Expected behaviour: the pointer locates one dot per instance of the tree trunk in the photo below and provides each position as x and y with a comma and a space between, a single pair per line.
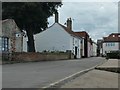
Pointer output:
31, 45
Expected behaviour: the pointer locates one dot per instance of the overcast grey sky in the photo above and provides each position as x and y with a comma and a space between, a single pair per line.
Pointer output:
99, 19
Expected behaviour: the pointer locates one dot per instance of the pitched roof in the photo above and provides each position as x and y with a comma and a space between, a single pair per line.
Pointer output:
114, 37
69, 31
82, 34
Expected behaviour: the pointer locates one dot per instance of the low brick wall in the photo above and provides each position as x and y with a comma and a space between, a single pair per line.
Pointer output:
5, 56
40, 56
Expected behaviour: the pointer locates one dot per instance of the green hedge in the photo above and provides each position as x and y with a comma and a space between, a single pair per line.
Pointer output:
113, 55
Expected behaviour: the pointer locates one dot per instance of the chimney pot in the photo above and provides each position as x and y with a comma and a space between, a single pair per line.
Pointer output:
69, 23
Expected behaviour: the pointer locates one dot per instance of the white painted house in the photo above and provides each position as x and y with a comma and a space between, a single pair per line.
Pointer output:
111, 43
58, 38
61, 38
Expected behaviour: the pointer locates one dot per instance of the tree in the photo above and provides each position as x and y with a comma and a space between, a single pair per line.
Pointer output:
30, 16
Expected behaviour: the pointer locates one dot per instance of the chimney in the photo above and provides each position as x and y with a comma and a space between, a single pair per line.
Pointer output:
69, 23
56, 17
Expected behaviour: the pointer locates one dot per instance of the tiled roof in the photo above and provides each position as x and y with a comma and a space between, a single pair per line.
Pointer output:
114, 37
85, 35
76, 34
70, 31
82, 34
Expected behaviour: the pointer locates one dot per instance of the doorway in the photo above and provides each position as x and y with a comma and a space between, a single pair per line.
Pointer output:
75, 52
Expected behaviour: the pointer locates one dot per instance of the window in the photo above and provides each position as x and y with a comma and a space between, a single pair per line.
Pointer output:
81, 41
118, 35
73, 40
113, 35
106, 44
113, 44
0, 43
4, 44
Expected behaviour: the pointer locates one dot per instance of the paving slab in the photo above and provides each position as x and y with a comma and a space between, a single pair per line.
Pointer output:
98, 78
111, 63
94, 79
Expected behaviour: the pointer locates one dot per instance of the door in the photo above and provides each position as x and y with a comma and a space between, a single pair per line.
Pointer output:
75, 52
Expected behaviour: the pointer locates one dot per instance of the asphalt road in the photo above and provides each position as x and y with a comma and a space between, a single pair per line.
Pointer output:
40, 74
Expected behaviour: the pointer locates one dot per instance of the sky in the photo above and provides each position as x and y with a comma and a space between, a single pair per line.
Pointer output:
99, 19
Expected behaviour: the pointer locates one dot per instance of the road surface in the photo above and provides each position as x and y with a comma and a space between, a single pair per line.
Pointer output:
40, 74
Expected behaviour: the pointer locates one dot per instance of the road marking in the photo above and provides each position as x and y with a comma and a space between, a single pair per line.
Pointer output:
60, 82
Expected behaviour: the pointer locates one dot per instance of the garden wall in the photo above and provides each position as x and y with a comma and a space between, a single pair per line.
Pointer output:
41, 56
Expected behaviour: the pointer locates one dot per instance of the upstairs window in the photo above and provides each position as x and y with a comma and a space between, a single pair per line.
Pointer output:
106, 44
110, 44
113, 44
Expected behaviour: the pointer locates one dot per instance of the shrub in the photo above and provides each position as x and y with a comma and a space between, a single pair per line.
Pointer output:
113, 55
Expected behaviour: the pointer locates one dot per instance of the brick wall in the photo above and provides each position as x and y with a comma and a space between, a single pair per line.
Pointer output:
41, 56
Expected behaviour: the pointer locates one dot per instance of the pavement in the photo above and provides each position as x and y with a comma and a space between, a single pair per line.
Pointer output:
111, 63
97, 78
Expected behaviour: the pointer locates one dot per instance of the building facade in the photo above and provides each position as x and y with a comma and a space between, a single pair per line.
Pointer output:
94, 49
111, 43
11, 38
88, 47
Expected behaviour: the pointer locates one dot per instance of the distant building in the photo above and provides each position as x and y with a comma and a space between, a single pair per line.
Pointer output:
110, 43
88, 45
11, 38
85, 37
99, 47
94, 49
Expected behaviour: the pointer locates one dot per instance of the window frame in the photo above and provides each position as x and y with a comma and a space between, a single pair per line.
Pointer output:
5, 44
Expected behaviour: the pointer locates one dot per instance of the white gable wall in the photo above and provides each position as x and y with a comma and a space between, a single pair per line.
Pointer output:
54, 38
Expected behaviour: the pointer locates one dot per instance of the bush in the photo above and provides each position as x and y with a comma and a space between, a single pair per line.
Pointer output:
113, 55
